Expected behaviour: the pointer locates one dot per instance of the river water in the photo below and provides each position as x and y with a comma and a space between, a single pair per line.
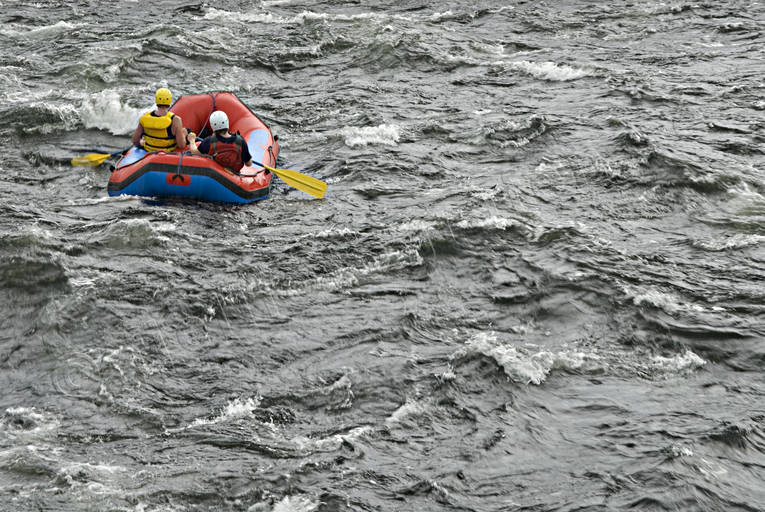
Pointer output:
536, 282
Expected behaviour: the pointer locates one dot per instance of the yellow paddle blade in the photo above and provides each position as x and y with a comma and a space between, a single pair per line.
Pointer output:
300, 181
90, 160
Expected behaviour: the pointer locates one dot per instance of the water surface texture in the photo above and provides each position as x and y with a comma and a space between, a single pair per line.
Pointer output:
537, 281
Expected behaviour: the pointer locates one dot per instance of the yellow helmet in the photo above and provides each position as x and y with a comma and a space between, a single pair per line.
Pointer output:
163, 97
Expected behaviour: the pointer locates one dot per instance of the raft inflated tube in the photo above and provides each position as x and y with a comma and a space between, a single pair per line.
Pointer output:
181, 174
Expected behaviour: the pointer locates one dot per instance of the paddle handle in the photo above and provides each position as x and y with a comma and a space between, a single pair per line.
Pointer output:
262, 165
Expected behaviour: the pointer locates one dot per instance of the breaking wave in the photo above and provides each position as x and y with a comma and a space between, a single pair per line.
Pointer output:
386, 134
549, 71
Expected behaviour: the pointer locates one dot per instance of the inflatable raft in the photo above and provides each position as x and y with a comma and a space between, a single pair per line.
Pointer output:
181, 174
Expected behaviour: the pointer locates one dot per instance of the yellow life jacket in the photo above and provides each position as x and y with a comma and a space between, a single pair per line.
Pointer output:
157, 132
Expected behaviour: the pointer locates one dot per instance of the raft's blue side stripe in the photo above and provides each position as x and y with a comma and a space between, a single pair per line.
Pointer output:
154, 184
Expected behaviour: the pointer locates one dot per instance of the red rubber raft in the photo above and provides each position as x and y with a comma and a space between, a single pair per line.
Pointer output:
181, 174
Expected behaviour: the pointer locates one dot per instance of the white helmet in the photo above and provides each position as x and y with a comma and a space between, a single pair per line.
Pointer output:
218, 120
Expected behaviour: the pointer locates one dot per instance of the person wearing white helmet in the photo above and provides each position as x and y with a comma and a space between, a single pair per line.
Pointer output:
160, 129
228, 149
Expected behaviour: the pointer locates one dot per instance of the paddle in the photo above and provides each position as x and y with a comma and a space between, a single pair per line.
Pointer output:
298, 180
94, 159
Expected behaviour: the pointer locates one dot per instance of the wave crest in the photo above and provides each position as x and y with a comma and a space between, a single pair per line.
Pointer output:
106, 111
549, 71
387, 134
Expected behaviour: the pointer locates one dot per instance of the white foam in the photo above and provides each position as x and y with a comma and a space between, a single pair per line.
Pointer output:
440, 16
681, 451
451, 58
347, 277
486, 194
331, 443
521, 133
27, 412
15, 30
711, 469
416, 225
387, 134
80, 467
82, 282
90, 478
42, 422
250, 17
364, 16
448, 375
142, 507
745, 191
493, 222
343, 382
40, 233
240, 409
296, 504
521, 364
259, 16
98, 200
549, 70
137, 232
323, 16
106, 111
267, 17
148, 225
234, 410
409, 409
384, 263
659, 299
737, 241
680, 363
662, 8
530, 365
333, 233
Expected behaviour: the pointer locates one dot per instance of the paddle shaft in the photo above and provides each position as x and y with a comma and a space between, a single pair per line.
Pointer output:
298, 180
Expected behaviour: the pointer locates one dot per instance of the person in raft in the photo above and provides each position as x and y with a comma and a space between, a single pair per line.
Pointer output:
228, 149
160, 130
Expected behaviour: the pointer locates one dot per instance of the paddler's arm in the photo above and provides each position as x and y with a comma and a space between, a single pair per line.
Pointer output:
179, 131
137, 134
246, 158
193, 144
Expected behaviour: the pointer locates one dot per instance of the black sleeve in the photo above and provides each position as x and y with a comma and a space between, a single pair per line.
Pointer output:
204, 147
245, 152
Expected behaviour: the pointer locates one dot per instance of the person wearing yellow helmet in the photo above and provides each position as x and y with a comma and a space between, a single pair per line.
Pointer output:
160, 129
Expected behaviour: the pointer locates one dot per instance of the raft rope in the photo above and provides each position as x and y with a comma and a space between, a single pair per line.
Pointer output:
178, 174
212, 95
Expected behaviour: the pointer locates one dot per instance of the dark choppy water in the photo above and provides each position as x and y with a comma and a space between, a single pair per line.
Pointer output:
536, 283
